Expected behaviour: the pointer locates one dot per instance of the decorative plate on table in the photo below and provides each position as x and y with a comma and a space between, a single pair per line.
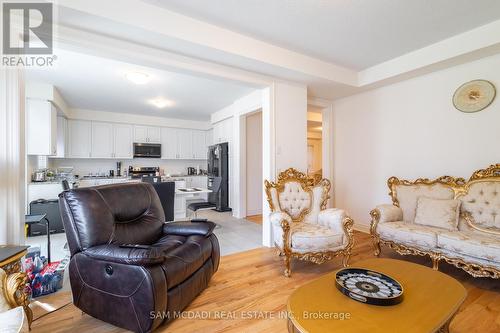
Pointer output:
368, 286
474, 96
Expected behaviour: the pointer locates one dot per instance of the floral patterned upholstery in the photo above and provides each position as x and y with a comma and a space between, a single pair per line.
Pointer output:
473, 245
302, 227
409, 234
482, 201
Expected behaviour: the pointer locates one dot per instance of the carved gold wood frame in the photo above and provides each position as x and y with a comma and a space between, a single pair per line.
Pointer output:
460, 188
307, 183
14, 292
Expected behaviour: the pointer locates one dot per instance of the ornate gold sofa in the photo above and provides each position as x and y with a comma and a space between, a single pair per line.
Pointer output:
302, 226
475, 244
12, 301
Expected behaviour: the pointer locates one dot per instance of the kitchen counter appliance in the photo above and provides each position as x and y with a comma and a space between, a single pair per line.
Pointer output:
147, 150
139, 172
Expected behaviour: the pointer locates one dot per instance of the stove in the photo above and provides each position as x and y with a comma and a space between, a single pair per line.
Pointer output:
139, 172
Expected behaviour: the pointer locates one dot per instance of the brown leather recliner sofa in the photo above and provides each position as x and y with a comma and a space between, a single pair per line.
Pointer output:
134, 288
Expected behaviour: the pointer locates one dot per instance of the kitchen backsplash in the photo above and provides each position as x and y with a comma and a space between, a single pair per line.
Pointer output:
84, 167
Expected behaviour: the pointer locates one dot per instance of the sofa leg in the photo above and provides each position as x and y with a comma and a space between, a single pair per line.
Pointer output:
288, 271
345, 259
435, 262
376, 246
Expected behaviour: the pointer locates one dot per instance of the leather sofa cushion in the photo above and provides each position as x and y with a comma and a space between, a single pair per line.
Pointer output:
125, 255
474, 244
184, 255
409, 234
189, 228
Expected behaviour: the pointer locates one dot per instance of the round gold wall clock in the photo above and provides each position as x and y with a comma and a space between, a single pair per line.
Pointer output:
474, 96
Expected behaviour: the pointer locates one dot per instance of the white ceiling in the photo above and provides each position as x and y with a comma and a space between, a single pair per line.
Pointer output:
94, 83
352, 33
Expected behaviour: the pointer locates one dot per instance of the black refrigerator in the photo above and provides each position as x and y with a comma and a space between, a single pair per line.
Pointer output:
218, 166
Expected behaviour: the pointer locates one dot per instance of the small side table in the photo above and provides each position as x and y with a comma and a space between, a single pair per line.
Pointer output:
10, 262
39, 219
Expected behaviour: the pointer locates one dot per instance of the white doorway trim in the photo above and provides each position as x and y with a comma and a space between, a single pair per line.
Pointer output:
327, 140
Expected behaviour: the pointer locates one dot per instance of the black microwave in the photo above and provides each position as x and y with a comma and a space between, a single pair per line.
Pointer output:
148, 150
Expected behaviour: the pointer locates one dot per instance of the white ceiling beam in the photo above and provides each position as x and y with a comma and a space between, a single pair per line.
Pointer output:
470, 45
162, 21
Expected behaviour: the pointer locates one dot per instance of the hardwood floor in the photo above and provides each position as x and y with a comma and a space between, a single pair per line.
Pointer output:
253, 281
254, 218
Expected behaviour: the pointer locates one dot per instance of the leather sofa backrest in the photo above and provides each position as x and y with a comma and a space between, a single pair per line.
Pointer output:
129, 213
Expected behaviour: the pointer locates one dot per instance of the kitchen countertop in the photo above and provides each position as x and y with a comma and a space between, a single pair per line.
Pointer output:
45, 183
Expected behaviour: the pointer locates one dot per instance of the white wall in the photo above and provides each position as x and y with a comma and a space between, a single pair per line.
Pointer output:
290, 104
254, 164
411, 129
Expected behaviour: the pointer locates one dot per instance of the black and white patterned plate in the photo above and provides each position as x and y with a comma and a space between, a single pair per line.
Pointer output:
369, 287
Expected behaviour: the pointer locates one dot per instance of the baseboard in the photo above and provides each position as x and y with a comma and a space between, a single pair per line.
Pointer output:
362, 228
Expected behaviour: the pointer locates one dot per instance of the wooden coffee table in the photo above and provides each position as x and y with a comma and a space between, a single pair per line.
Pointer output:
431, 299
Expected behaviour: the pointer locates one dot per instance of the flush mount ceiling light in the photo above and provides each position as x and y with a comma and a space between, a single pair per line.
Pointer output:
161, 102
137, 77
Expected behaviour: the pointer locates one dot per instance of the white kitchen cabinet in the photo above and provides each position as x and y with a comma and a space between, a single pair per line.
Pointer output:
184, 144
209, 138
123, 137
79, 138
222, 131
147, 134
102, 140
179, 201
169, 143
199, 144
62, 137
41, 128
177, 143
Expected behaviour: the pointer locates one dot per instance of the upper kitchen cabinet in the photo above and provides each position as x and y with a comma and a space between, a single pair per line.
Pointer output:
123, 139
184, 144
147, 134
169, 148
79, 141
222, 131
102, 140
62, 137
209, 138
199, 144
41, 128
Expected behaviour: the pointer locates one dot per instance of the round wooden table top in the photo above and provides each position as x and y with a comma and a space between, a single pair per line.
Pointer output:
431, 299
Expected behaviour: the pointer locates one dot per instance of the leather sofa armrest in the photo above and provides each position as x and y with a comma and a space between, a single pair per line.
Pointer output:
189, 228
125, 255
389, 213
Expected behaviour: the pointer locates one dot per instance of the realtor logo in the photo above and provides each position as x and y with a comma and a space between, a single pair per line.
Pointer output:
36, 21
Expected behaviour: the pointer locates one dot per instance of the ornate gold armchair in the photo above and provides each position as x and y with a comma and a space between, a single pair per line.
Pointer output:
302, 226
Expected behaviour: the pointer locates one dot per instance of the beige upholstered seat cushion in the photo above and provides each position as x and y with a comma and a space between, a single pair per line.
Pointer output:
310, 238
407, 196
438, 213
306, 237
474, 244
409, 234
